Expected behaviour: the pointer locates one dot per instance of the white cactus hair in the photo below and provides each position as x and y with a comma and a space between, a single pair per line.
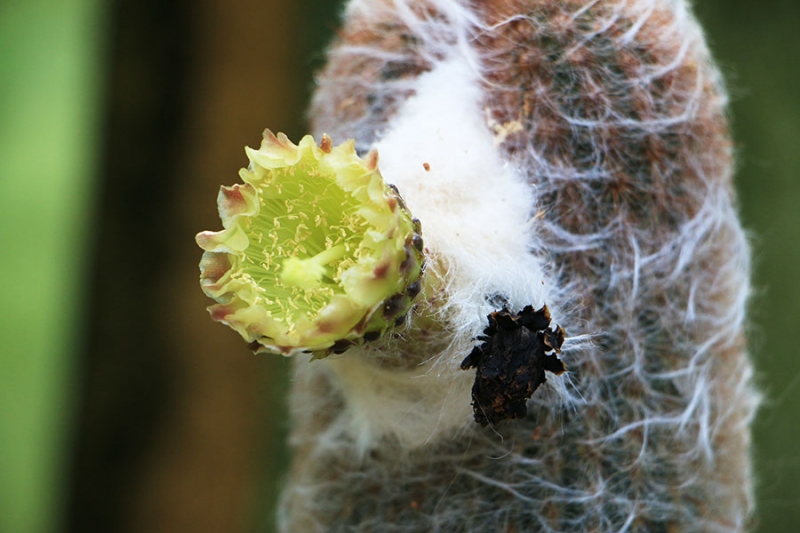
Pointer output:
576, 154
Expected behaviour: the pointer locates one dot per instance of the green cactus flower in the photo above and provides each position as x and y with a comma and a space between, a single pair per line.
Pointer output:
317, 251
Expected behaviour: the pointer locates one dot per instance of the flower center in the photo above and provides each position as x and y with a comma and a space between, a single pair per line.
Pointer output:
307, 233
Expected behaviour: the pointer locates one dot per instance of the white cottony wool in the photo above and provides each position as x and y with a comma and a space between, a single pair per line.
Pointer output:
477, 209
573, 153
478, 228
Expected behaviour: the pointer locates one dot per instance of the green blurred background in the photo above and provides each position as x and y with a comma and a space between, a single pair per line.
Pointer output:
122, 408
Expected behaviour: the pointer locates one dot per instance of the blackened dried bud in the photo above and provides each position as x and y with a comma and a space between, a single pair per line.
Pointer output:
511, 361
416, 240
371, 336
393, 305
414, 289
341, 346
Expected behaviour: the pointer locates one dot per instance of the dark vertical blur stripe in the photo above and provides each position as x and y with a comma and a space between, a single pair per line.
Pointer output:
179, 423
127, 371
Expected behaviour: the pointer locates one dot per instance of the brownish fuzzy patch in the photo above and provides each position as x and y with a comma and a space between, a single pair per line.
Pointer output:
583, 103
595, 142
360, 84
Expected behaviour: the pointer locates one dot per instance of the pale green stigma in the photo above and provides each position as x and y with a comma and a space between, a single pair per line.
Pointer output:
308, 273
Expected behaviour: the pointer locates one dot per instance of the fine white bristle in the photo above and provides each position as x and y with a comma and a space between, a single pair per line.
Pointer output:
573, 153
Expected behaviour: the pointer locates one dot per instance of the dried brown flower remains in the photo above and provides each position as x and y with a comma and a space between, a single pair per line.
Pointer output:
510, 362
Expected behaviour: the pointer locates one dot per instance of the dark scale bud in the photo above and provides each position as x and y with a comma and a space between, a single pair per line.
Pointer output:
511, 361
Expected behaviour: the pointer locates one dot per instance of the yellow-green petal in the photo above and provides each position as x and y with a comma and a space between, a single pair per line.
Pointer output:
316, 249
